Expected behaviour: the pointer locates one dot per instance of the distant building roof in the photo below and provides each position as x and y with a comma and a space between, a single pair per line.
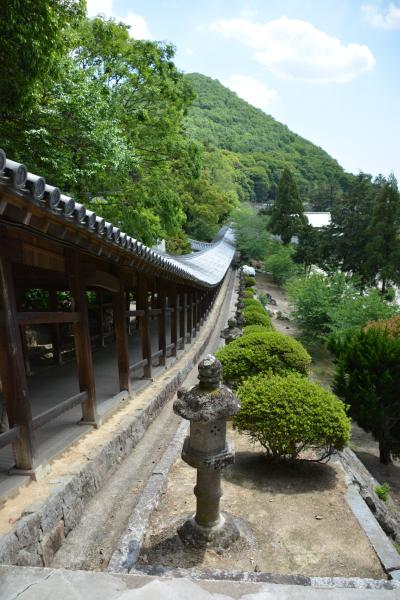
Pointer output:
318, 219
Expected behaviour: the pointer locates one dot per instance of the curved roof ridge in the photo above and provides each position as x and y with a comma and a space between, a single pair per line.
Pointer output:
207, 267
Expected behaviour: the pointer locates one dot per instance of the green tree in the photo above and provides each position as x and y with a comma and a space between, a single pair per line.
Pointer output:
308, 249
347, 237
280, 264
383, 246
332, 305
368, 378
287, 215
252, 237
34, 34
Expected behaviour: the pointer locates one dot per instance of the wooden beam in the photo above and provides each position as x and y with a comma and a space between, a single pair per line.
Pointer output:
103, 280
58, 409
83, 348
142, 302
43, 317
12, 370
121, 336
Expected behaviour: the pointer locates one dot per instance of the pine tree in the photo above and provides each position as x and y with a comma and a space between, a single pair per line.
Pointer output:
368, 379
287, 217
383, 247
307, 250
347, 237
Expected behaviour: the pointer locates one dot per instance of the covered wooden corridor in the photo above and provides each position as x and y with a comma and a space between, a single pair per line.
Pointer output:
86, 312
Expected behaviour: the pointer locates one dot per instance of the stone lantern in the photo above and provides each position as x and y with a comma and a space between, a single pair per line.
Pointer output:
240, 304
208, 406
232, 332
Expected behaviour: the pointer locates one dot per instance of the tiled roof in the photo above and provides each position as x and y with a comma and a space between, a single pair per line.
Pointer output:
206, 267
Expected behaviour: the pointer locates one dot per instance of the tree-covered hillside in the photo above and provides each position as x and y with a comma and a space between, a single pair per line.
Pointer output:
264, 147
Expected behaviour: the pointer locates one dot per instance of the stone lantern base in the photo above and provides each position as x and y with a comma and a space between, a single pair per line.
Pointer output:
220, 536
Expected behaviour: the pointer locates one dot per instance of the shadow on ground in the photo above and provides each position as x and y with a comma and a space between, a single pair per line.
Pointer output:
251, 470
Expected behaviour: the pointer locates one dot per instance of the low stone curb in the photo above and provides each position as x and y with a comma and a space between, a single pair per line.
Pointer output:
127, 552
371, 512
42, 528
275, 578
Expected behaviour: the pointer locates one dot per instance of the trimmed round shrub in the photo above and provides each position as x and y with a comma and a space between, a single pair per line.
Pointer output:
249, 293
287, 415
255, 316
253, 302
256, 329
249, 281
268, 352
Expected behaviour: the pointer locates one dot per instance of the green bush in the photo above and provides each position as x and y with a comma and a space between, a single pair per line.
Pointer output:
249, 281
256, 329
281, 265
267, 352
255, 316
249, 293
382, 491
331, 305
253, 302
287, 415
263, 298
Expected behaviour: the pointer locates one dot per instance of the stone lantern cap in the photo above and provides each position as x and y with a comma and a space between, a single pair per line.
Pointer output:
209, 400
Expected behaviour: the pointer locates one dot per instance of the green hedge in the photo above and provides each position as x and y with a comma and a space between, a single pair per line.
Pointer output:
256, 329
269, 352
249, 293
249, 281
253, 302
254, 316
289, 414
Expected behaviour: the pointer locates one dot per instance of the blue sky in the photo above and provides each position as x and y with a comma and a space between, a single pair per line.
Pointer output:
329, 69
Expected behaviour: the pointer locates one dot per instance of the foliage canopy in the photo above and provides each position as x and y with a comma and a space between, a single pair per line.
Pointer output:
289, 414
269, 352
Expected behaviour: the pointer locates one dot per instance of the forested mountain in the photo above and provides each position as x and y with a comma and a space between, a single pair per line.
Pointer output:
263, 146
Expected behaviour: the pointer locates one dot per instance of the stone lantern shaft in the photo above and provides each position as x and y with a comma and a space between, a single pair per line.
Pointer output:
208, 406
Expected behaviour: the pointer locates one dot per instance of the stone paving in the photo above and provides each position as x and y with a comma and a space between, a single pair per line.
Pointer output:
27, 583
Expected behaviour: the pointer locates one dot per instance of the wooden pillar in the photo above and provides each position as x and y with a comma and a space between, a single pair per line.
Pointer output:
162, 333
143, 304
197, 312
183, 318
174, 303
100, 317
190, 317
121, 337
55, 329
83, 350
12, 370
23, 328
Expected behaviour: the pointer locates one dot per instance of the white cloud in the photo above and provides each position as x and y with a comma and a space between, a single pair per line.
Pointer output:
252, 90
99, 7
388, 20
138, 26
296, 49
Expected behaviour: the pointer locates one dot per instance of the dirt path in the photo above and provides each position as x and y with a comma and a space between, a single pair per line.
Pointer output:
322, 370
